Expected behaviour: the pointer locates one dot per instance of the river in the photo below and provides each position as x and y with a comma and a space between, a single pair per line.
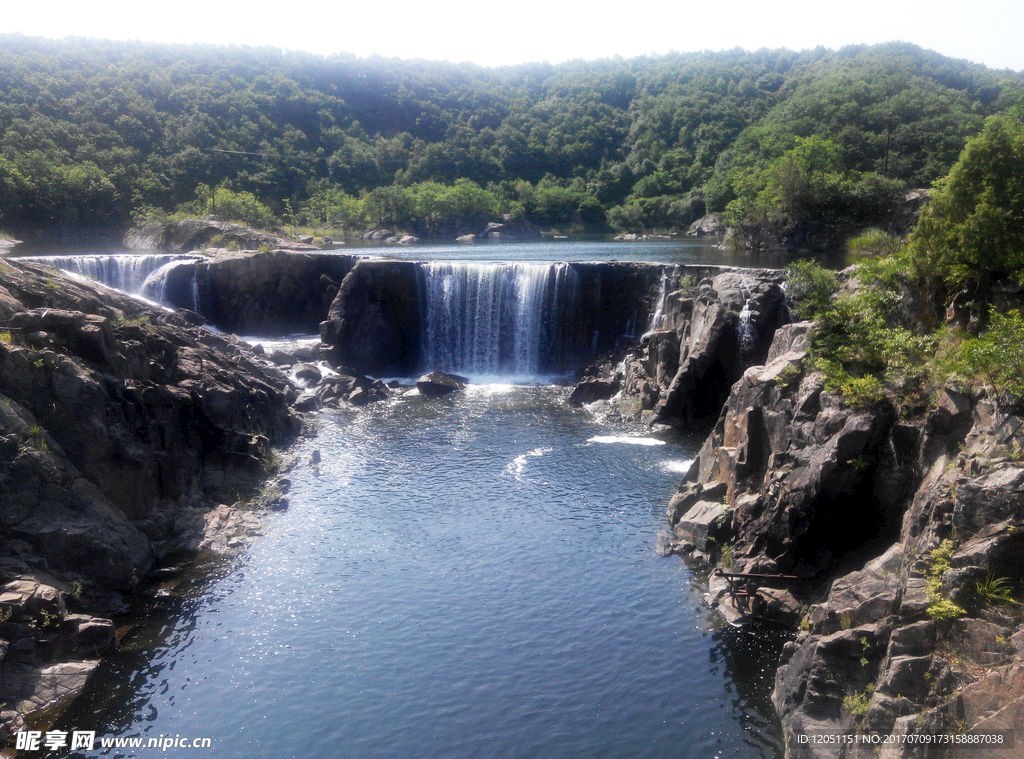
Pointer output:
472, 576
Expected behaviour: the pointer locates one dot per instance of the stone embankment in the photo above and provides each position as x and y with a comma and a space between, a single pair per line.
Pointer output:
908, 533
121, 425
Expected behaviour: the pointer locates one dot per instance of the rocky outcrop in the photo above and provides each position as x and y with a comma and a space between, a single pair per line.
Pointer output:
252, 293
374, 321
712, 224
509, 228
196, 234
119, 425
705, 333
461, 228
856, 501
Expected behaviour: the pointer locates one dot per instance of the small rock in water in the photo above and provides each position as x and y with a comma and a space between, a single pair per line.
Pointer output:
437, 384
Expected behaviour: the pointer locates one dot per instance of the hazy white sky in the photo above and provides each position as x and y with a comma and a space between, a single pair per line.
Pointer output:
984, 31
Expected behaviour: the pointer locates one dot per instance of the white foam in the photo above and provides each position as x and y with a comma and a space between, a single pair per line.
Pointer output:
626, 439
676, 466
519, 462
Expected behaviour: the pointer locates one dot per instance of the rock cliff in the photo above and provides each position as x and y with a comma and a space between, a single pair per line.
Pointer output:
120, 425
249, 292
704, 334
906, 533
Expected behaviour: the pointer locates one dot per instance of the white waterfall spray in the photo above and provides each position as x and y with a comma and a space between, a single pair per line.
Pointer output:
491, 318
127, 272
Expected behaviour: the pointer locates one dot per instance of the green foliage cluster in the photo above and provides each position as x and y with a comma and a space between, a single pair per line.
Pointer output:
972, 232
996, 356
941, 608
810, 185
810, 287
90, 130
859, 342
875, 240
857, 703
868, 342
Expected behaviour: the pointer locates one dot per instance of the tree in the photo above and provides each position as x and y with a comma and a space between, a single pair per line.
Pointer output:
972, 233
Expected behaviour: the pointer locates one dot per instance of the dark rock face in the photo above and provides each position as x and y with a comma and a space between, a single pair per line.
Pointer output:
796, 482
251, 293
707, 333
374, 322
438, 384
118, 424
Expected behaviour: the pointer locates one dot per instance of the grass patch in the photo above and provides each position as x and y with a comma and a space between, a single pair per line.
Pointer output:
875, 240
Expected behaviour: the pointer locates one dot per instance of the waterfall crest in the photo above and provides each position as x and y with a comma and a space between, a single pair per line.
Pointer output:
127, 272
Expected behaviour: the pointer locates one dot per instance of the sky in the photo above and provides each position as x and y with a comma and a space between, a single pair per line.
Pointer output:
494, 34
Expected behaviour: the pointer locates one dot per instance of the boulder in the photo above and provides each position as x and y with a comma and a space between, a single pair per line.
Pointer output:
374, 321
707, 225
704, 522
593, 389
438, 384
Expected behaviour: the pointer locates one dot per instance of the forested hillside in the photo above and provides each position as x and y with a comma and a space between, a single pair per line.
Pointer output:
92, 130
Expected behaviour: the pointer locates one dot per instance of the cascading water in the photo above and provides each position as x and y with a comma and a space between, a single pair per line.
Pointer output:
744, 326
156, 284
126, 272
493, 318
669, 277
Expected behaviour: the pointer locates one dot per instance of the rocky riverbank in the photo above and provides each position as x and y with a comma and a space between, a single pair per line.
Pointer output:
907, 532
121, 426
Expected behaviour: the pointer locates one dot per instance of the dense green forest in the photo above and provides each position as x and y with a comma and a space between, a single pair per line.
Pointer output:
92, 131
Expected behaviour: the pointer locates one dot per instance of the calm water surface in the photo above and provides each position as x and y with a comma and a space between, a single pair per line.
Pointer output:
466, 577
684, 250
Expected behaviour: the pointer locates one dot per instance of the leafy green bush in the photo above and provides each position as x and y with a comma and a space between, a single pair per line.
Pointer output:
997, 357
810, 287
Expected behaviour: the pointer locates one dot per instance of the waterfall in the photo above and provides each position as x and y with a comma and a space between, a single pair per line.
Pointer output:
669, 276
161, 280
126, 272
744, 325
494, 318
